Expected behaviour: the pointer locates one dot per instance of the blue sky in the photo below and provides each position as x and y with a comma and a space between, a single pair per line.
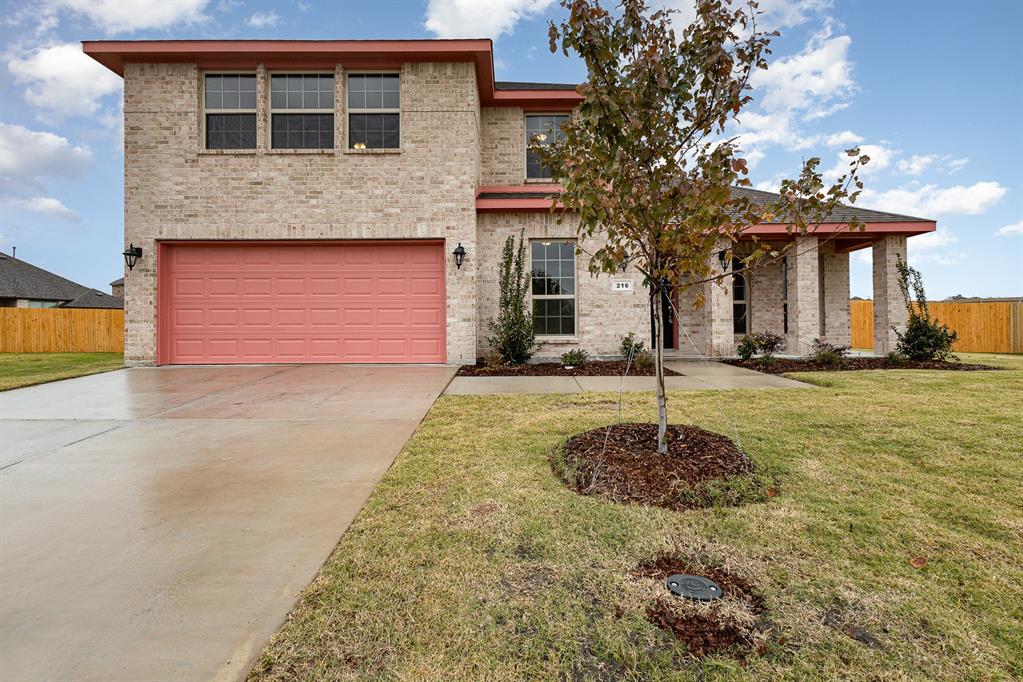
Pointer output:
932, 91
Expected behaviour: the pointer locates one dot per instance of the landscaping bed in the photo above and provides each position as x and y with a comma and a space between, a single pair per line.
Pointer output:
621, 463
785, 365
592, 368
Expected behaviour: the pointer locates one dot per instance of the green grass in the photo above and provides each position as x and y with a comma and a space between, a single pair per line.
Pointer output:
472, 561
25, 369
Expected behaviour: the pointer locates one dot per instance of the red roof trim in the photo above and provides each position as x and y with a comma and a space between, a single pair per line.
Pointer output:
908, 228
364, 54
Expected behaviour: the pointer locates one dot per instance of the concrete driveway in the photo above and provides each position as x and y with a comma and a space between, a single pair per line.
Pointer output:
158, 524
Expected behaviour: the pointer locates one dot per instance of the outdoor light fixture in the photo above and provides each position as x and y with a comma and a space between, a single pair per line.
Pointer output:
723, 259
459, 254
359, 145
132, 255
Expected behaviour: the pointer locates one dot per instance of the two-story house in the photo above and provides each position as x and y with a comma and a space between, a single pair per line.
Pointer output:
347, 201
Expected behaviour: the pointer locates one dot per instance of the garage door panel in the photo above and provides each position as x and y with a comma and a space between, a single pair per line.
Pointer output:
329, 302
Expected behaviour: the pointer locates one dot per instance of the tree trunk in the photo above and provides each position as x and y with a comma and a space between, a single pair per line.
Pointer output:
662, 403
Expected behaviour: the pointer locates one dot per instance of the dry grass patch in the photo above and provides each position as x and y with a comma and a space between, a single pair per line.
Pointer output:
472, 561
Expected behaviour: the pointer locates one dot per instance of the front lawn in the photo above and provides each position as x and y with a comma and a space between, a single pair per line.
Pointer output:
25, 369
892, 549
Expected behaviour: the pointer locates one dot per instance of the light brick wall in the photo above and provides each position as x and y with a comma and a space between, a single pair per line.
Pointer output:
176, 190
765, 284
889, 307
503, 146
603, 317
804, 292
835, 300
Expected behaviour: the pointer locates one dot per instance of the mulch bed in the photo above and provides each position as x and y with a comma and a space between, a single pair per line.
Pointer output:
593, 368
623, 465
783, 365
705, 632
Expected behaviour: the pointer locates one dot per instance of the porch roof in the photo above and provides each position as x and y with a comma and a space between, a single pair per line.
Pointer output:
540, 197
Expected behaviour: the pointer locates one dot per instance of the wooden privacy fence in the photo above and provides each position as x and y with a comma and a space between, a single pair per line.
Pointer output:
983, 326
61, 330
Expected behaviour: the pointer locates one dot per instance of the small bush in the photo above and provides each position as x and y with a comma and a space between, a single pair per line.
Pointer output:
768, 343
925, 338
512, 334
630, 345
644, 360
574, 358
492, 358
747, 348
826, 353
895, 357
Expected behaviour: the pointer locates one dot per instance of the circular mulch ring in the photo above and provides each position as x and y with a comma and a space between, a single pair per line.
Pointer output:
735, 624
621, 463
786, 365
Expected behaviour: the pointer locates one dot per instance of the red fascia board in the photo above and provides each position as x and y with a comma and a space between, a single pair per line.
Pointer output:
307, 54
512, 205
907, 228
551, 187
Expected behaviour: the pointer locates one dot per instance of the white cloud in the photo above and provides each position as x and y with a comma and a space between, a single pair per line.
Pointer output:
63, 80
775, 14
45, 205
27, 156
821, 72
824, 112
125, 16
264, 19
846, 138
475, 19
881, 157
1014, 230
934, 247
931, 200
773, 128
954, 165
916, 164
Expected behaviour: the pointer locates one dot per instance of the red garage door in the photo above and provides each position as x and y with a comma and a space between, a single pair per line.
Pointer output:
237, 302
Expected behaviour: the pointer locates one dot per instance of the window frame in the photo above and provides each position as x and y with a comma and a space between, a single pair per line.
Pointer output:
270, 110
525, 142
348, 111
739, 270
204, 111
574, 297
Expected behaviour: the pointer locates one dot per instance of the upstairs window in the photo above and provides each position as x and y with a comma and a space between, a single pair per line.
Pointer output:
543, 129
553, 287
230, 111
302, 111
374, 111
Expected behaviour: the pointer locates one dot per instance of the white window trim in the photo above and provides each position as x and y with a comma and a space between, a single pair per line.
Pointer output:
525, 143
270, 111
204, 110
348, 111
551, 297
744, 301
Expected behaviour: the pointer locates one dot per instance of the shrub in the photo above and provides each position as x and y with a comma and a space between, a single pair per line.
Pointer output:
512, 334
747, 348
630, 345
768, 344
492, 358
895, 357
644, 360
574, 358
924, 338
828, 353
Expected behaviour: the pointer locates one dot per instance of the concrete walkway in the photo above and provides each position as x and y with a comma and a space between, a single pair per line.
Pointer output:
159, 524
696, 376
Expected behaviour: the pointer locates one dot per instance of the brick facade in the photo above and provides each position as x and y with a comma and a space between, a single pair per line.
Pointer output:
889, 308
175, 189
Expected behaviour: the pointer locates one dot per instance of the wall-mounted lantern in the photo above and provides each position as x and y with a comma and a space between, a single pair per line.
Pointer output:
723, 259
459, 254
132, 255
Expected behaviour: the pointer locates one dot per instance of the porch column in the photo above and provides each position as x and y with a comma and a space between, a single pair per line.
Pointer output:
718, 310
834, 277
889, 307
804, 296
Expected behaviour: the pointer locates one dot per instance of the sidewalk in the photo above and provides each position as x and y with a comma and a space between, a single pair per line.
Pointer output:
696, 376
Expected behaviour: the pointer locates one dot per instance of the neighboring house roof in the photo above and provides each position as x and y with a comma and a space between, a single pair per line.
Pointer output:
95, 299
19, 279
354, 54
118, 282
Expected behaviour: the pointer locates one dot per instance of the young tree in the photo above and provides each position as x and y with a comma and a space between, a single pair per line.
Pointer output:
644, 161
512, 333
